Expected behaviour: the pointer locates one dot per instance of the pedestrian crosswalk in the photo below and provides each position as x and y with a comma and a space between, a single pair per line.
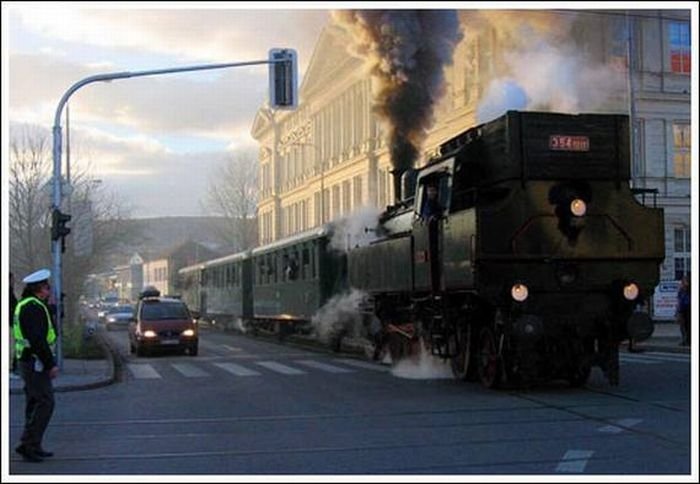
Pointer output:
653, 358
232, 363
207, 368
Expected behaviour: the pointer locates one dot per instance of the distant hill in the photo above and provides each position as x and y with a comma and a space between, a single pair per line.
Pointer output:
156, 236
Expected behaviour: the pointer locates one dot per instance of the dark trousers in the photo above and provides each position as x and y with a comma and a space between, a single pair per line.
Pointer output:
685, 326
38, 391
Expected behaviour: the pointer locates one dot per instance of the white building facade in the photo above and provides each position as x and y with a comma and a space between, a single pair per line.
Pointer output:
328, 157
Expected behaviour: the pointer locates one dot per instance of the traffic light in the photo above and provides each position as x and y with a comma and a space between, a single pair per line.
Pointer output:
283, 78
58, 224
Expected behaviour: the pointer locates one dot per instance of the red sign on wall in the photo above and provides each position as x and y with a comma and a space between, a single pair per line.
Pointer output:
561, 142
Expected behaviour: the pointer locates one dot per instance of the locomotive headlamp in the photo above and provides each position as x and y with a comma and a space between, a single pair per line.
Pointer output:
519, 292
630, 291
578, 207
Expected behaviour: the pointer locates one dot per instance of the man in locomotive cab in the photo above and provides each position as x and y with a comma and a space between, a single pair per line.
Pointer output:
431, 212
431, 208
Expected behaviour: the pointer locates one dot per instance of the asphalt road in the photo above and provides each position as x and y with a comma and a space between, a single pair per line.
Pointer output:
247, 406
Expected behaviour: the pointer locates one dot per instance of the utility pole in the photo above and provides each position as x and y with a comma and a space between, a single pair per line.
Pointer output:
283, 95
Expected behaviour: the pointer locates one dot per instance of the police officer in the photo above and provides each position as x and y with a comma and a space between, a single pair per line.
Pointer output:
34, 338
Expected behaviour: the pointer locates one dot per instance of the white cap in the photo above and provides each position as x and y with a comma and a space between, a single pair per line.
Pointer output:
38, 276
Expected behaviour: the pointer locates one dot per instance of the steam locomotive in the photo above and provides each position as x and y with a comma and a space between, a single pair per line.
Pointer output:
538, 263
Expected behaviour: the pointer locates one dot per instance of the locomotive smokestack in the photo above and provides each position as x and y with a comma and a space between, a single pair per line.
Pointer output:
406, 52
397, 173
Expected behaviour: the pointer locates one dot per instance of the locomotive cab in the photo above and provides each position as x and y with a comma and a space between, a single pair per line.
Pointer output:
431, 216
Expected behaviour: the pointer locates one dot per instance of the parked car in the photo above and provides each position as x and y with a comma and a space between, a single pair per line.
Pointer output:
162, 323
118, 317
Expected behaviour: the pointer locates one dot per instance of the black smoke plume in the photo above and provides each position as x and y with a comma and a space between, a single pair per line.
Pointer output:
406, 51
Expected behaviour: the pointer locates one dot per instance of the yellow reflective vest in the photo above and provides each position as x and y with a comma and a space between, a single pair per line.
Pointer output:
20, 342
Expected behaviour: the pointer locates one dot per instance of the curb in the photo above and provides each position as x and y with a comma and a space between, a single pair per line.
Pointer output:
114, 361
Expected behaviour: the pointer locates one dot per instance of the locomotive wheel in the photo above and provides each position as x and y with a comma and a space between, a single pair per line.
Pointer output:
489, 362
461, 363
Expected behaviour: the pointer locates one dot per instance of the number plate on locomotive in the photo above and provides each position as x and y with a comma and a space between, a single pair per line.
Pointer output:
560, 142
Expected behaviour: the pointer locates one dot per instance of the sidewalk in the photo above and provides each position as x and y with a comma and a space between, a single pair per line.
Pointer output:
666, 338
87, 374
79, 374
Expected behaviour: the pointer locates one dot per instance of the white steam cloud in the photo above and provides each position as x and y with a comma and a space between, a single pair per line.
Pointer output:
340, 316
558, 78
423, 366
358, 229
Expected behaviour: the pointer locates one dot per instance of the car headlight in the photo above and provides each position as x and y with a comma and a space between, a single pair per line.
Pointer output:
149, 333
188, 332
519, 292
111, 320
630, 291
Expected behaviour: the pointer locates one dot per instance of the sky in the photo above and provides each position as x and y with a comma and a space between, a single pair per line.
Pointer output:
154, 141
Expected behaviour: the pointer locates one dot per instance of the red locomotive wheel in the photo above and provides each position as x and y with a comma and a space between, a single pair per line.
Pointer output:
489, 362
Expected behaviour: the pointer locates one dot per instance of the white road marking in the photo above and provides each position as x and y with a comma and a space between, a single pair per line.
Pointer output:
574, 461
189, 370
143, 371
658, 357
363, 364
627, 361
280, 368
232, 348
324, 366
237, 370
620, 425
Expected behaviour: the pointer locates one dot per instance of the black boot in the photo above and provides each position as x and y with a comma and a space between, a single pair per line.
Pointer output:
28, 453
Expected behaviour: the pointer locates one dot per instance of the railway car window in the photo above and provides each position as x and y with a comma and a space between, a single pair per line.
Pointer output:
291, 268
284, 276
305, 261
314, 255
273, 268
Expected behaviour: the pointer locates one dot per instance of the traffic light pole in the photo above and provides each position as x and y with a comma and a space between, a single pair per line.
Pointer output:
56, 244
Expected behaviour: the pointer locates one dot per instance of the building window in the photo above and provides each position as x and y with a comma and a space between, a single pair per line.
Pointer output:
347, 203
381, 182
336, 202
317, 209
326, 205
681, 249
681, 150
679, 39
357, 191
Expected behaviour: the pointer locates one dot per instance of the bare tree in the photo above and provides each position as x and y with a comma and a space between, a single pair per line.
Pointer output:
30, 168
233, 194
29, 214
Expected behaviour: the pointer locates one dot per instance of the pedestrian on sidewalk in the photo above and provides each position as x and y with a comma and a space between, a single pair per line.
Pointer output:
683, 309
34, 338
13, 305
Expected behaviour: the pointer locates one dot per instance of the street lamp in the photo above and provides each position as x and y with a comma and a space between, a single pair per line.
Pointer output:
284, 96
